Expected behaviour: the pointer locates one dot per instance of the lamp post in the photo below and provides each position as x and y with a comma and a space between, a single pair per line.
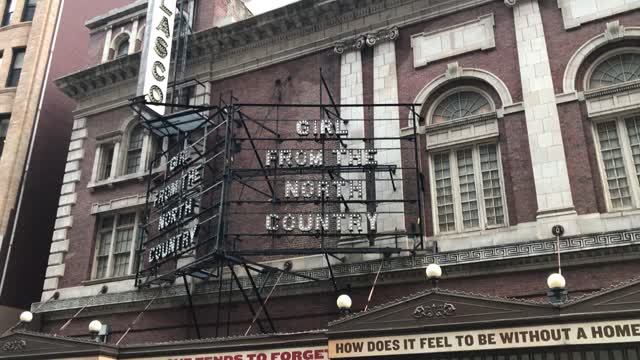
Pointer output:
434, 273
344, 304
557, 288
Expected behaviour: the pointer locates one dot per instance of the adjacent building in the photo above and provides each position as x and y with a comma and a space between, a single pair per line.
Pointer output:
26, 38
524, 114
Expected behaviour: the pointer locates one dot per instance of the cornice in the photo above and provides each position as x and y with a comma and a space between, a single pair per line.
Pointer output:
302, 28
84, 82
116, 14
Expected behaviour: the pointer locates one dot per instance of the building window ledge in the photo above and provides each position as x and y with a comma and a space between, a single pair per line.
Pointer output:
465, 130
139, 176
15, 26
107, 280
614, 89
472, 233
621, 213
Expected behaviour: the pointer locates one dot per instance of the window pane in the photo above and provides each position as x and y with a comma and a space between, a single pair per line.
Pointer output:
106, 223
444, 196
4, 128
103, 248
127, 219
123, 240
491, 187
101, 267
104, 243
106, 162
134, 151
633, 128
123, 49
468, 196
10, 7
156, 143
114, 245
29, 10
616, 70
613, 165
16, 68
459, 105
121, 265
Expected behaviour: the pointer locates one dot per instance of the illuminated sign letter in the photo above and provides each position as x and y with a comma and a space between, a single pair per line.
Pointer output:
156, 53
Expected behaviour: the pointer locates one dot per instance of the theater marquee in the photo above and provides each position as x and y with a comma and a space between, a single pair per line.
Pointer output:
493, 339
310, 353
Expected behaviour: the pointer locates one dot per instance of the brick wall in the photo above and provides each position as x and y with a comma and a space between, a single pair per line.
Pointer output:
562, 44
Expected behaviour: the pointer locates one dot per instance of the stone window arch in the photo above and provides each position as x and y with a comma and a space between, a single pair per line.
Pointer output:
120, 46
459, 103
614, 68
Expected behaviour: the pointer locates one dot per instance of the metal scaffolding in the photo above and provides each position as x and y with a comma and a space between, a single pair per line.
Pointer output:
224, 145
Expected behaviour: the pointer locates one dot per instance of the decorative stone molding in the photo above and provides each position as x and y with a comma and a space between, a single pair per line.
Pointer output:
454, 40
527, 250
464, 73
371, 39
578, 12
468, 129
453, 71
356, 43
613, 99
266, 40
383, 35
510, 3
434, 311
614, 30
14, 345
579, 57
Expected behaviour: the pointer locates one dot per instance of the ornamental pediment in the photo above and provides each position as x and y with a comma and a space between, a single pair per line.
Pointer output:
20, 345
439, 308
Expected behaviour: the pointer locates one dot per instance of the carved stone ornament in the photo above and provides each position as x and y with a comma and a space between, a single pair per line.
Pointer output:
370, 40
434, 311
355, 44
510, 3
614, 30
14, 345
453, 71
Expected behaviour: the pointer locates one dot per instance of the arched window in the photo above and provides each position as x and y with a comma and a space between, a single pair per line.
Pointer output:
616, 69
459, 105
617, 135
123, 48
134, 150
467, 189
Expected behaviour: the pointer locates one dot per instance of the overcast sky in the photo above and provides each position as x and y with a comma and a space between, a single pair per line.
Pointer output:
260, 6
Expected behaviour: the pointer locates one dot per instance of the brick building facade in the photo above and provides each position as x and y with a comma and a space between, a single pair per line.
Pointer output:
527, 120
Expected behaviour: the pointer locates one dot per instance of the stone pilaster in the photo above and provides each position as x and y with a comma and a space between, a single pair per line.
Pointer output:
64, 216
387, 124
543, 124
352, 92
